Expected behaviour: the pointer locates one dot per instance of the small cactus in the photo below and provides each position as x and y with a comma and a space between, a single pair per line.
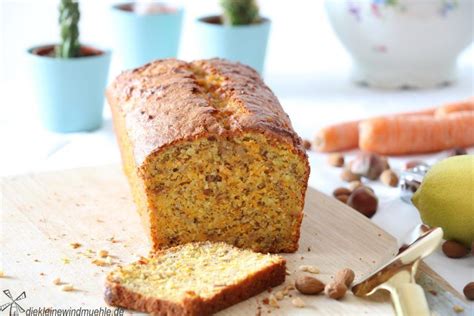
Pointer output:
68, 20
240, 12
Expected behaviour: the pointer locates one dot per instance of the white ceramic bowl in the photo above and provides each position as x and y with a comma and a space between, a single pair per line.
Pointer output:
403, 43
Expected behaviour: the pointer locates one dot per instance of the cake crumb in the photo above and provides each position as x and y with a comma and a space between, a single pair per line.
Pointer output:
309, 268
298, 302
112, 240
306, 144
100, 262
102, 253
75, 245
266, 301
66, 260
279, 295
309, 249
288, 288
273, 301
458, 309
57, 281
67, 288
2, 274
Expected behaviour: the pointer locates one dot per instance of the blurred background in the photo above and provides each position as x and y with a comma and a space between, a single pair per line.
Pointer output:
306, 66
304, 57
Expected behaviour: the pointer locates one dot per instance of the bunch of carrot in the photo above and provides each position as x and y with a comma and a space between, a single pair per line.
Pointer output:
444, 127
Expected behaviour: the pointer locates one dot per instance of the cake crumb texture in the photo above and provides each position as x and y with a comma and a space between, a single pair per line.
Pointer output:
210, 155
193, 279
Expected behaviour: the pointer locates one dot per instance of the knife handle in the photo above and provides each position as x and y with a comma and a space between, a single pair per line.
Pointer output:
409, 300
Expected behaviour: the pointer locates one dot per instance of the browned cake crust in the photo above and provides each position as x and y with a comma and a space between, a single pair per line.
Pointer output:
167, 102
163, 104
117, 295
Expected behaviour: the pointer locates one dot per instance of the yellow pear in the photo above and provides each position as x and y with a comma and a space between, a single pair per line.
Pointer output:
446, 198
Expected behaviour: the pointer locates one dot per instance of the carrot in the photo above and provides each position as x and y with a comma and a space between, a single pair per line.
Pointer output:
342, 136
465, 105
417, 134
345, 136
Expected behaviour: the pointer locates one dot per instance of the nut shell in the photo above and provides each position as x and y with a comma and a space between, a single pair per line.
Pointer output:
335, 290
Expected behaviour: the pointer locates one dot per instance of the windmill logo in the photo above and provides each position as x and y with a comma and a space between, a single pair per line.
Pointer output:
15, 308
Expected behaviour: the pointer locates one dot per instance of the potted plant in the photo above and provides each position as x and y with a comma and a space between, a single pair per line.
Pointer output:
239, 34
145, 31
69, 78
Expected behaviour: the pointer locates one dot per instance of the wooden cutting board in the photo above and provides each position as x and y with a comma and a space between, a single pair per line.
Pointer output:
43, 214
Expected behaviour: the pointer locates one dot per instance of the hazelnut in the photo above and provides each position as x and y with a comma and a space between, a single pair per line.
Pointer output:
364, 201
306, 284
453, 249
410, 185
354, 185
413, 163
390, 178
469, 291
369, 165
348, 176
306, 144
341, 191
336, 160
458, 151
343, 198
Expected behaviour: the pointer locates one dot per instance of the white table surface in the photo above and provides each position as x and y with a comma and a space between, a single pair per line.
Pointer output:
313, 91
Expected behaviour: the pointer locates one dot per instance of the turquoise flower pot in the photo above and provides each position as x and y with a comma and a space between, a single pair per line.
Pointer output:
243, 43
143, 37
69, 91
